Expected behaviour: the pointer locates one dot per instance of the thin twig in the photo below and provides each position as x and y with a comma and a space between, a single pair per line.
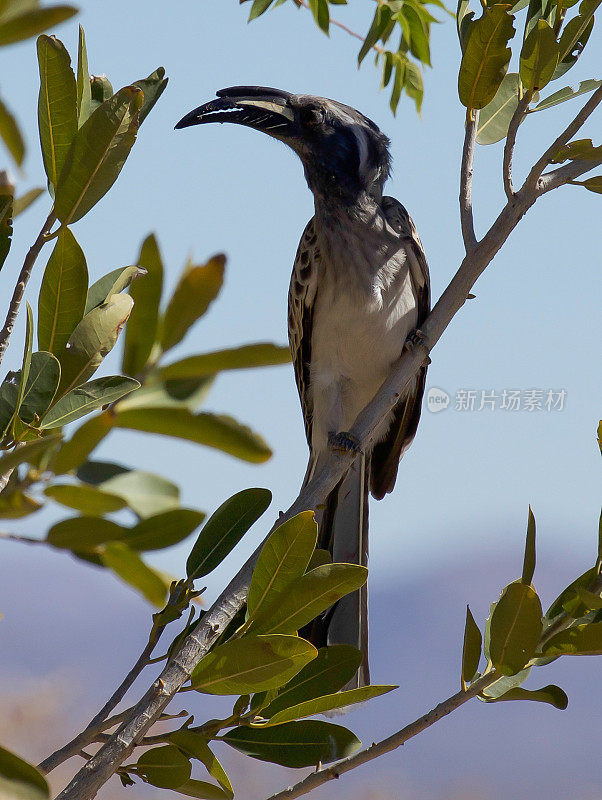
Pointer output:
24, 275
387, 745
343, 27
466, 217
15, 537
517, 118
564, 138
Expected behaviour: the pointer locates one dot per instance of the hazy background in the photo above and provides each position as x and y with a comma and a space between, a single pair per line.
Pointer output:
453, 530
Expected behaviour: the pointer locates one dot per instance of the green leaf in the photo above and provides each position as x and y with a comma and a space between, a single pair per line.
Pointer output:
87, 499
202, 789
63, 292
212, 430
515, 628
245, 357
97, 472
592, 184
33, 21
77, 449
165, 766
15, 505
486, 56
471, 651
23, 202
100, 90
503, 685
145, 493
152, 88
27, 451
569, 600
333, 667
307, 597
20, 780
6, 225
84, 96
92, 339
494, 119
87, 398
326, 703
224, 529
464, 17
196, 746
128, 565
84, 533
187, 393
567, 93
26, 363
282, 560
380, 22
295, 744
41, 386
581, 149
252, 664
258, 8
113, 282
539, 56
11, 135
318, 559
141, 332
575, 36
529, 560
580, 640
162, 530
321, 13
196, 290
57, 105
551, 694
98, 154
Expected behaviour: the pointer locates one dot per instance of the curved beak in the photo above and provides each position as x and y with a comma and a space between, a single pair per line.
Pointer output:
267, 110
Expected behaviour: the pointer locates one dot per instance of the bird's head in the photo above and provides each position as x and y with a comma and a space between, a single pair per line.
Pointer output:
343, 152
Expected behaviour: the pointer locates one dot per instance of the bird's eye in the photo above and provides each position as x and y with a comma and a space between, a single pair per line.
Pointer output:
310, 117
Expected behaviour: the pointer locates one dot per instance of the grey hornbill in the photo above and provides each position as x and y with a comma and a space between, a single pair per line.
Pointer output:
360, 287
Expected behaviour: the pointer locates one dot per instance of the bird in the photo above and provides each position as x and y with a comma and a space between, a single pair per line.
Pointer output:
359, 292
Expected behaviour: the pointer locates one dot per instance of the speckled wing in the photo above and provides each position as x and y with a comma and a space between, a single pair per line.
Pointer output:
301, 301
387, 453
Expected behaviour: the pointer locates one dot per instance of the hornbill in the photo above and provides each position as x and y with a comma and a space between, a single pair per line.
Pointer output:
359, 288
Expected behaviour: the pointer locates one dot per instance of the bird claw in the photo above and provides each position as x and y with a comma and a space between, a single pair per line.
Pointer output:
344, 442
416, 339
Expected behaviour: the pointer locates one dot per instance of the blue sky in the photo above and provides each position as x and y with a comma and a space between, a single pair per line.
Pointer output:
465, 485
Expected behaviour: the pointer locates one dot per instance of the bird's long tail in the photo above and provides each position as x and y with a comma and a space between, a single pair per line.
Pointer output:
343, 531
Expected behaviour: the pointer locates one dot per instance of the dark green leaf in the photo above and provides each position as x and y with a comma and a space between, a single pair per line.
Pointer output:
551, 694
471, 651
87, 398
567, 94
224, 529
14, 505
283, 559
84, 533
22, 203
196, 746
539, 56
112, 283
258, 8
327, 703
84, 95
131, 568
41, 386
252, 664
11, 135
580, 640
581, 149
575, 36
486, 56
318, 559
92, 339
20, 780
96, 472
57, 105
321, 13
145, 493
196, 289
164, 766
99, 151
569, 601
6, 225
515, 628
26, 363
245, 357
295, 744
380, 22
529, 560
32, 21
152, 88
306, 597
494, 119
203, 790
592, 184
141, 332
162, 530
77, 449
87, 499
100, 90
63, 292
220, 432
464, 17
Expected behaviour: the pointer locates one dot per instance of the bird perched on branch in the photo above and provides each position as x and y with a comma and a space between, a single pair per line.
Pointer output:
359, 289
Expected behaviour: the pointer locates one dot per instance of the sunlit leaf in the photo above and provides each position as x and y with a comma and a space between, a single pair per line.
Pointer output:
494, 119
580, 640
15, 505
20, 780
41, 386
128, 565
57, 105
26, 452
76, 450
224, 529
295, 744
154, 394
327, 703
582, 149
22, 203
245, 357
539, 56
141, 332
258, 8
84, 95
252, 664
165, 766
196, 289
146, 493
202, 790
164, 529
32, 21
62, 297
553, 695
87, 499
86, 398
84, 533
196, 746
152, 89
11, 135
112, 283
568, 93
516, 627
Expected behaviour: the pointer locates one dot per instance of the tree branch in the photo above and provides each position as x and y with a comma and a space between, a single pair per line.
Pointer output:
564, 138
466, 218
343, 27
387, 745
15, 537
24, 275
517, 118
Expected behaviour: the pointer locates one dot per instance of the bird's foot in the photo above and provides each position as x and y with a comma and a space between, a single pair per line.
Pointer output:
417, 339
344, 442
